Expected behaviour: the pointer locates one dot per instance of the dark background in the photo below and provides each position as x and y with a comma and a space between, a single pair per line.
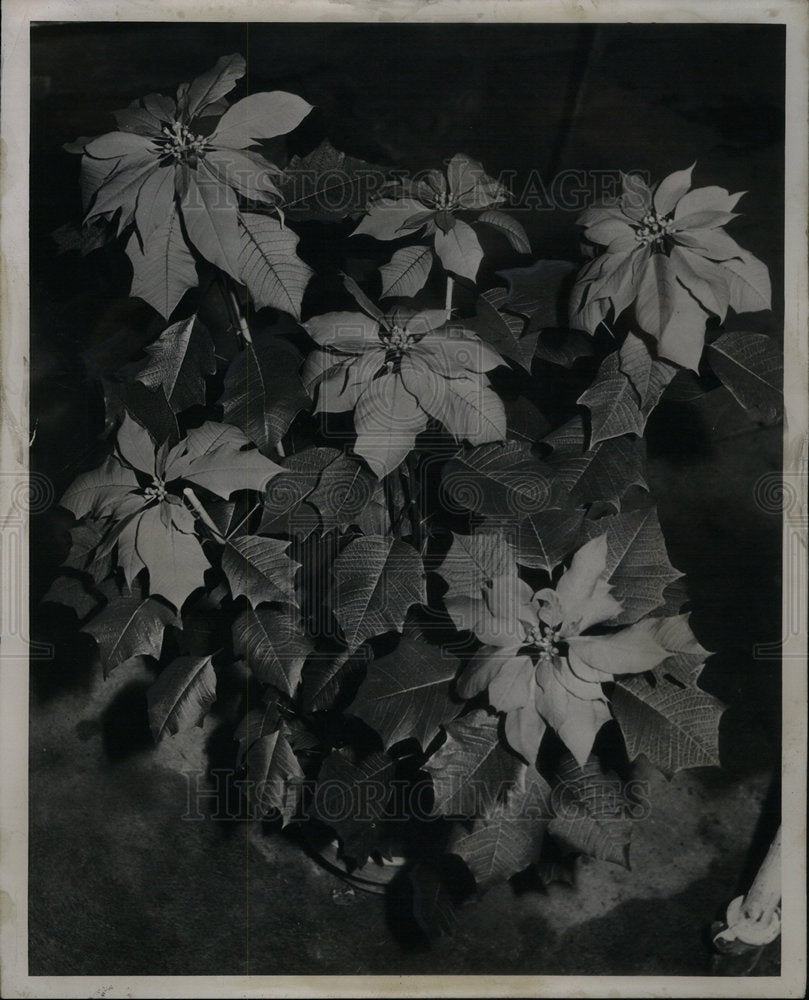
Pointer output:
118, 884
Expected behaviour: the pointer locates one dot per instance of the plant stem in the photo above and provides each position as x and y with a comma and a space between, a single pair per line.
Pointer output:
280, 450
448, 303
241, 320
203, 514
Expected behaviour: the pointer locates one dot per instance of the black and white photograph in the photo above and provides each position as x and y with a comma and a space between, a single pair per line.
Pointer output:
404, 456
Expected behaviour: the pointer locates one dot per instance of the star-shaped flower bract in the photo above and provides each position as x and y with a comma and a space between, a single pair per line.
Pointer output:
667, 253
435, 203
176, 168
138, 494
542, 662
397, 370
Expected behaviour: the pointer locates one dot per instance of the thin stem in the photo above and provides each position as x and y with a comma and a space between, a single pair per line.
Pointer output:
450, 287
203, 514
246, 517
241, 320
280, 450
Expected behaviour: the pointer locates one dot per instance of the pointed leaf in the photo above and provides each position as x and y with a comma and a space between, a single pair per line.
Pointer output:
406, 693
100, 490
351, 798
544, 539
260, 569
591, 813
273, 645
471, 771
181, 696
164, 270
210, 86
504, 481
502, 330
129, 626
510, 838
263, 390
174, 558
613, 403
602, 473
540, 292
638, 566
649, 377
459, 250
751, 367
675, 727
749, 284
376, 581
260, 116
327, 185
509, 227
406, 272
273, 772
210, 214
268, 265
178, 362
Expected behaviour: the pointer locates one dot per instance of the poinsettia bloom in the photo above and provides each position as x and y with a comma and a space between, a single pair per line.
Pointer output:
176, 167
395, 371
434, 203
667, 253
139, 490
542, 664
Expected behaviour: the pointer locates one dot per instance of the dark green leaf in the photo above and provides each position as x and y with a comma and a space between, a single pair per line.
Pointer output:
273, 645
649, 377
504, 481
613, 403
510, 838
406, 271
263, 390
504, 331
750, 365
675, 727
327, 185
268, 264
545, 538
406, 693
539, 292
471, 772
591, 812
130, 626
376, 581
509, 227
351, 798
638, 565
260, 569
273, 776
181, 696
178, 362
602, 473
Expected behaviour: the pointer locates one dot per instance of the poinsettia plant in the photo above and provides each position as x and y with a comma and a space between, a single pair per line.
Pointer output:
419, 568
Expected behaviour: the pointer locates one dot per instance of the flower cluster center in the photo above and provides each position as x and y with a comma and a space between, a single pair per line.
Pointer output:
157, 491
653, 228
444, 201
397, 339
181, 143
545, 639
